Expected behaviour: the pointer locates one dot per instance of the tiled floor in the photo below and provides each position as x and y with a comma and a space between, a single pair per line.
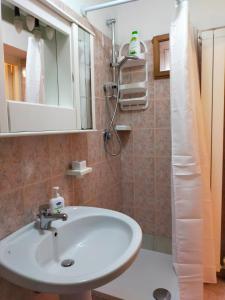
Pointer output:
215, 291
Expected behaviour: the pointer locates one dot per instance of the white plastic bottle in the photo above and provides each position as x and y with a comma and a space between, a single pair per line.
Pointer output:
134, 46
56, 203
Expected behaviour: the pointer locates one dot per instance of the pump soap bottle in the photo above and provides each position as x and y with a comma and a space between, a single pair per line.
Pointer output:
56, 203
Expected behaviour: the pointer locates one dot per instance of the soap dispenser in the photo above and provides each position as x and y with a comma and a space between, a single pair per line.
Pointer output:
56, 203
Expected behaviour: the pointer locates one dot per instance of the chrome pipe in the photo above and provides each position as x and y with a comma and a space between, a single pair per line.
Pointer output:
85, 10
112, 23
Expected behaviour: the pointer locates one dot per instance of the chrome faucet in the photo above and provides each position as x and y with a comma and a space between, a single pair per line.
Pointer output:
46, 218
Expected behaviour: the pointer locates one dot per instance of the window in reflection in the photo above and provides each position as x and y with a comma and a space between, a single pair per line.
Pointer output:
164, 56
15, 73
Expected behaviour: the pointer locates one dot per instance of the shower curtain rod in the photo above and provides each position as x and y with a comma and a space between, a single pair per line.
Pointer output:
104, 5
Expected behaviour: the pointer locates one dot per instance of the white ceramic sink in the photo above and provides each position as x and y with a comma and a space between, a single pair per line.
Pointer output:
102, 243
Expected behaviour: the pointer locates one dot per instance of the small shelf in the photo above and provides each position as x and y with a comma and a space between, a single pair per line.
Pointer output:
134, 95
134, 101
134, 63
79, 173
123, 128
133, 88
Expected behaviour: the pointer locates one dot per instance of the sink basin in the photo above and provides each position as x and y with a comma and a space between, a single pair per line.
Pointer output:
95, 245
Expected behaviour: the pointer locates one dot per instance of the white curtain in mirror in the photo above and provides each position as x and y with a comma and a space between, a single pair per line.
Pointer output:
34, 71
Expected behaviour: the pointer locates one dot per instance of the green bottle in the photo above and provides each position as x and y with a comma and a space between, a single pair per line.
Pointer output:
134, 46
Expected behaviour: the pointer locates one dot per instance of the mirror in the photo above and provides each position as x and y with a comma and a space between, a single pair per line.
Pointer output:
35, 57
161, 56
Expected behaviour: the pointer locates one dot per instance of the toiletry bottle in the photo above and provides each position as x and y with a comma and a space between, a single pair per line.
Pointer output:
56, 203
134, 46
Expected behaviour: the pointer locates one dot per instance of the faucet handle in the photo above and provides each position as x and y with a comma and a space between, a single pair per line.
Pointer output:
44, 209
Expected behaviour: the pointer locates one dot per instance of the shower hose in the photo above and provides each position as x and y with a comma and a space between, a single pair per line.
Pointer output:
110, 132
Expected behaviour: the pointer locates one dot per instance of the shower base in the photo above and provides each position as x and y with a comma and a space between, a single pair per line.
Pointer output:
150, 271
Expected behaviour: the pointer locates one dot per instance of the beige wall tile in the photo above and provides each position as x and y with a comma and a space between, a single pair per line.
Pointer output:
162, 89
163, 179
162, 113
162, 145
143, 142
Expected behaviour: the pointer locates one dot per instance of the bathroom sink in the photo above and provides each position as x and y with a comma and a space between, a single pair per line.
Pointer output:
88, 250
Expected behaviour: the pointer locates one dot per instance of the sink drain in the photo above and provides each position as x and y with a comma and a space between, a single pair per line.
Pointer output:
67, 263
162, 294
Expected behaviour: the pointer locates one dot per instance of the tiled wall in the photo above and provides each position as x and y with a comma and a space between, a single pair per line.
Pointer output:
146, 157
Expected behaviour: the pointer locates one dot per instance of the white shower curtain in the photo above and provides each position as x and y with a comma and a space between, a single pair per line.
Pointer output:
193, 240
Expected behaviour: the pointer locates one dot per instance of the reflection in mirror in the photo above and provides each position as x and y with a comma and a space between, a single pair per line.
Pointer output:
164, 56
161, 56
34, 55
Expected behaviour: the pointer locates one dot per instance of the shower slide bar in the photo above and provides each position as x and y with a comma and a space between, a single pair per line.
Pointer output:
85, 10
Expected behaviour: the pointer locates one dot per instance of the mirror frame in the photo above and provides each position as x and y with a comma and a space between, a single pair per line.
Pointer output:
156, 56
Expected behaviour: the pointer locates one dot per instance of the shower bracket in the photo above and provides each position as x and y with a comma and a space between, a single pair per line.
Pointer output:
107, 135
110, 86
110, 89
